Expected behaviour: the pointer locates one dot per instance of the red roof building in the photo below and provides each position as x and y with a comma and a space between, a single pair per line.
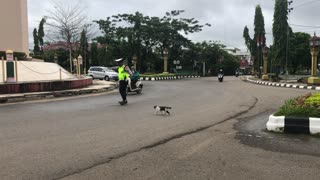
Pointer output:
64, 45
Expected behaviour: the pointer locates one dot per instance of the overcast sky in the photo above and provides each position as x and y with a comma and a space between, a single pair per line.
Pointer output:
227, 17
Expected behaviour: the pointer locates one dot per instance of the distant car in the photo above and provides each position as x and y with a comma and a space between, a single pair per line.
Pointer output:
100, 72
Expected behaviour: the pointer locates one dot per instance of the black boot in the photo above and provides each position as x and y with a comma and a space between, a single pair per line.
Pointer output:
123, 102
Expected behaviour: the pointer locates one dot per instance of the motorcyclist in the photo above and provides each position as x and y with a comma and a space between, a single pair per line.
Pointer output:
237, 73
221, 72
220, 75
134, 78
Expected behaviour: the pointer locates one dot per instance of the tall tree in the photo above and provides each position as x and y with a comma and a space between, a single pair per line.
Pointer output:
299, 52
144, 34
41, 33
256, 43
259, 36
84, 48
248, 41
66, 22
36, 48
94, 54
280, 32
86, 34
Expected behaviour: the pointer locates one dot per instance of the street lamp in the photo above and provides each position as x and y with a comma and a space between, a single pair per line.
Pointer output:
314, 45
265, 51
55, 58
165, 59
75, 64
80, 61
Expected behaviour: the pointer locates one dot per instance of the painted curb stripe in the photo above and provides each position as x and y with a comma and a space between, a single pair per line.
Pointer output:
166, 78
275, 123
284, 85
307, 125
296, 125
314, 125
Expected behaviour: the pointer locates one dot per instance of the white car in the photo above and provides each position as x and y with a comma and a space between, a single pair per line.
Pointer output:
100, 72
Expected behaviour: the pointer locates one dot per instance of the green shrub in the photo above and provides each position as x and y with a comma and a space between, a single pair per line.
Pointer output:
20, 55
314, 100
302, 106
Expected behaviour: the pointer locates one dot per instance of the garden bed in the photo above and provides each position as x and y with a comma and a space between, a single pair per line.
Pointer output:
297, 115
303, 106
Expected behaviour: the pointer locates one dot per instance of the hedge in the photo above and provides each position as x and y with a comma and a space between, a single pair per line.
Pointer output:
19, 55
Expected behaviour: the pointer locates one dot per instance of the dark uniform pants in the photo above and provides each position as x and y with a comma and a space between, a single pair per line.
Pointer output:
123, 89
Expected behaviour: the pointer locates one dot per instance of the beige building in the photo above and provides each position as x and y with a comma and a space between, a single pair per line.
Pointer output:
14, 25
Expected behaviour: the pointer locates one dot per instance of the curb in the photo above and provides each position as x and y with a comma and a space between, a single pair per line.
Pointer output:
300, 125
317, 88
166, 78
10, 98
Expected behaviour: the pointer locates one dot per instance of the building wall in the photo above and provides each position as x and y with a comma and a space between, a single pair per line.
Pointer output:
14, 25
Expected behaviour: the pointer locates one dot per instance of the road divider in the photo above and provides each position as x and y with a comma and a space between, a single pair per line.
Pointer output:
166, 78
284, 85
299, 125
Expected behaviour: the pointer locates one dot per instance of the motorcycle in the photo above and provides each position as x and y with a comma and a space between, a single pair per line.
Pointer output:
134, 86
237, 74
220, 77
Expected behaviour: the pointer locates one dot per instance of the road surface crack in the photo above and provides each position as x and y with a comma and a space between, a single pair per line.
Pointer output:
158, 143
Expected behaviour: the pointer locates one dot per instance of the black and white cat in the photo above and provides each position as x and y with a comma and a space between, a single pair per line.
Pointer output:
162, 109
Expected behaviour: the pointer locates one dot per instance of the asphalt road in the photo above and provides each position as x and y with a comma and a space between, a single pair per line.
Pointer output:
215, 131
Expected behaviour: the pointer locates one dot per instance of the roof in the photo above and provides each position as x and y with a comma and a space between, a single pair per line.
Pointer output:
64, 45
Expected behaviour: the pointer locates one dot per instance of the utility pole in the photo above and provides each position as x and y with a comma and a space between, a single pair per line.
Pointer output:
287, 50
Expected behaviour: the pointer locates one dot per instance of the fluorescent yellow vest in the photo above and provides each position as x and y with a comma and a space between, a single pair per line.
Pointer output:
122, 74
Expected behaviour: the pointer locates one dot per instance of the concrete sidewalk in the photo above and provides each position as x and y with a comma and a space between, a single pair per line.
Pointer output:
97, 87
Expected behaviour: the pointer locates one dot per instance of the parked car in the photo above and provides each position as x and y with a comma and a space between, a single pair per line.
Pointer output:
100, 72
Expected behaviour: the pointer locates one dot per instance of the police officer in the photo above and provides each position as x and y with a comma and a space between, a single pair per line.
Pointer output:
123, 75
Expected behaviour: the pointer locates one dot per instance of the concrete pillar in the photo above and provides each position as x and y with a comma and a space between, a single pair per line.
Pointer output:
314, 80
14, 26
10, 67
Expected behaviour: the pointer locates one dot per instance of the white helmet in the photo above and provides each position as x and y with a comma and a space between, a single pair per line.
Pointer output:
119, 60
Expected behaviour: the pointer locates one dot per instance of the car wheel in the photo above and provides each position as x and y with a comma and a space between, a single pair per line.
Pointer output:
92, 77
107, 78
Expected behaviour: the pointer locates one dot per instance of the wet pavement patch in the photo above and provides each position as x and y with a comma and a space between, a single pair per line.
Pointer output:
252, 132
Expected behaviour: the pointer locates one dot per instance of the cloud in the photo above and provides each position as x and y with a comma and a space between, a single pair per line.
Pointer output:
228, 18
